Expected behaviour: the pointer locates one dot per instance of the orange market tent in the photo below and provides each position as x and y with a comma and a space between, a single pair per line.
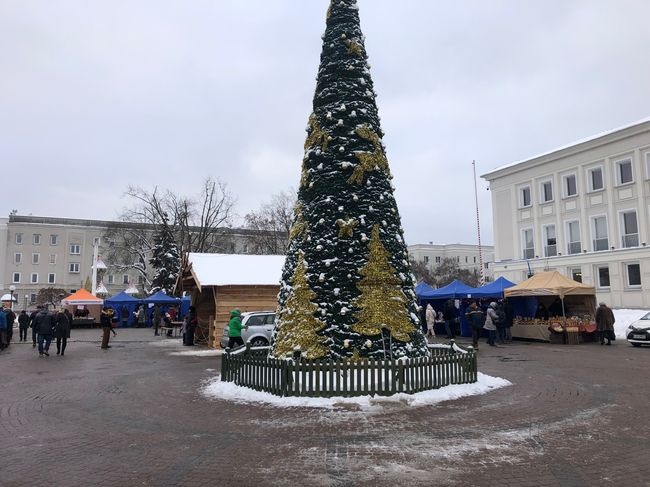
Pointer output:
550, 283
82, 297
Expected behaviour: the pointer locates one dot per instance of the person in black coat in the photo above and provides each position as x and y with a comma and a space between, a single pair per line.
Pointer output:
44, 323
542, 312
62, 332
23, 324
450, 313
106, 320
32, 323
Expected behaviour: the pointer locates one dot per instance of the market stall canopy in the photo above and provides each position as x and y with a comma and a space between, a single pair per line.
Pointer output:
7, 297
122, 298
82, 297
494, 289
550, 283
132, 289
422, 288
454, 290
235, 269
161, 298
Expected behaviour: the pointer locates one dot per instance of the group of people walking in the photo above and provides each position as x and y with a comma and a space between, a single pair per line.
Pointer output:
45, 326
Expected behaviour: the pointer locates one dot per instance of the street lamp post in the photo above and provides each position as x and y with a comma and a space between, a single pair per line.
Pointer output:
12, 290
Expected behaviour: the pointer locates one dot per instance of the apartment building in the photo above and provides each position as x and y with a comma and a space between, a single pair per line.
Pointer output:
40, 252
583, 210
466, 255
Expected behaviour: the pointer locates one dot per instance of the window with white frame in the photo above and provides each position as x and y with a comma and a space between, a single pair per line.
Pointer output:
52, 259
75, 249
570, 185
603, 275
111, 279
546, 191
18, 257
54, 240
426, 259
550, 241
624, 172
19, 239
51, 278
574, 246
575, 273
32, 298
36, 258
15, 278
125, 279
36, 239
438, 260
528, 243
34, 278
629, 229
525, 199
595, 178
73, 267
633, 272
600, 239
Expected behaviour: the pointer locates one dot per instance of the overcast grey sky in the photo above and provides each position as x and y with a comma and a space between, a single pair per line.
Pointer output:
96, 95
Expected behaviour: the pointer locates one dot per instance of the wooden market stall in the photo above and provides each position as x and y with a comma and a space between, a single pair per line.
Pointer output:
568, 307
219, 283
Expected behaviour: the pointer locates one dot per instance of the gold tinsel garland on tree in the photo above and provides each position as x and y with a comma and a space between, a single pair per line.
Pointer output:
297, 325
299, 227
317, 135
369, 161
382, 303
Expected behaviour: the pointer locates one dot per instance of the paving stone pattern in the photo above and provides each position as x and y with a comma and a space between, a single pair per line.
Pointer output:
134, 415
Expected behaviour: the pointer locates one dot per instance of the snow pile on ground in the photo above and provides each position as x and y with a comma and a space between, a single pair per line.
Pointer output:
624, 317
167, 342
198, 353
217, 389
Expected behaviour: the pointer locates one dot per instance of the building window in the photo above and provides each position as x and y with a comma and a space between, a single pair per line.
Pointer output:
525, 200
529, 246
75, 249
426, 259
624, 171
36, 258
599, 229
629, 229
546, 191
466, 259
633, 275
573, 237
603, 276
550, 241
34, 278
51, 278
54, 240
36, 239
125, 279
16, 278
19, 239
32, 298
438, 260
18, 258
52, 259
245, 248
576, 274
74, 267
570, 185
596, 182
111, 279
475, 260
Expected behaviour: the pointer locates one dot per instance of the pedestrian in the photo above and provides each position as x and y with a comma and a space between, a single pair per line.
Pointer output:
476, 319
605, 323
32, 321
449, 314
106, 320
500, 323
431, 321
541, 313
191, 322
234, 329
3, 331
23, 325
124, 314
156, 318
44, 324
507, 309
173, 313
490, 319
11, 317
141, 317
62, 331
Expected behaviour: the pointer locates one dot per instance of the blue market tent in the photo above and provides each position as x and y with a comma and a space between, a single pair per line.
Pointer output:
423, 287
161, 298
186, 301
124, 306
454, 290
493, 290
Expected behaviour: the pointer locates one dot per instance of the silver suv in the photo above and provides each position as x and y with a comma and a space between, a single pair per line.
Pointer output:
260, 328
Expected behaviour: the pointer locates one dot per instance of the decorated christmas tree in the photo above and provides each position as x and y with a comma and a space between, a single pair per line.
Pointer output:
347, 289
165, 259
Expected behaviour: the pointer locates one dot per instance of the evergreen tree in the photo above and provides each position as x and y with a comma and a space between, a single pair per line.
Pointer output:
165, 259
345, 196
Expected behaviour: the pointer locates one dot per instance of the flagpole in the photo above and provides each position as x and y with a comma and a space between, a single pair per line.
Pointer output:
478, 227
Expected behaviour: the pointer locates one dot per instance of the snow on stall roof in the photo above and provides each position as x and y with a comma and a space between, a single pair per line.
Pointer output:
567, 146
236, 269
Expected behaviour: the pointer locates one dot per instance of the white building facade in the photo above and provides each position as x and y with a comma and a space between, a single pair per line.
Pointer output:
583, 210
466, 255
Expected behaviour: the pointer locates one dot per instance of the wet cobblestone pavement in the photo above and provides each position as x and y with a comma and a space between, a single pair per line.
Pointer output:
134, 415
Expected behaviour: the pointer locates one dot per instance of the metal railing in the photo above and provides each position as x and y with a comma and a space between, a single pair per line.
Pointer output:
631, 240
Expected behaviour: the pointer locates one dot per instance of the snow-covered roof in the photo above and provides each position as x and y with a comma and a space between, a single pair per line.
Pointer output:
236, 269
